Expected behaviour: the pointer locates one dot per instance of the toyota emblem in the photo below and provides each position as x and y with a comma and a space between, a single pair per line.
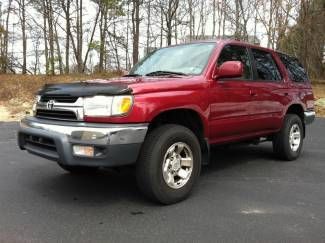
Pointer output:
50, 104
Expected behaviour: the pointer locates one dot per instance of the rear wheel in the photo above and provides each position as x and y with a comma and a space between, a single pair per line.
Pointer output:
79, 169
287, 143
169, 164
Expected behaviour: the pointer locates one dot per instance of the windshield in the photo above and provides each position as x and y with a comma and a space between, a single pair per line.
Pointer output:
188, 59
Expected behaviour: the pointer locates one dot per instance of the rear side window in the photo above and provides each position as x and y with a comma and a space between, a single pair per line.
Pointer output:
236, 53
266, 67
295, 70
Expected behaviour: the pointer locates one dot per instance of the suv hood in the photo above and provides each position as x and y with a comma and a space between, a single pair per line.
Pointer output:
119, 86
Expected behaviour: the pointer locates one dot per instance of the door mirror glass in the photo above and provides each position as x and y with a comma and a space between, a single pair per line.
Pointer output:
229, 69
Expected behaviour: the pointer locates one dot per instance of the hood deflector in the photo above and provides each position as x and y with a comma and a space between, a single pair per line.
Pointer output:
84, 89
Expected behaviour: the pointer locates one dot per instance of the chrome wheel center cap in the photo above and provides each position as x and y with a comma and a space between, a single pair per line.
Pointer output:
176, 164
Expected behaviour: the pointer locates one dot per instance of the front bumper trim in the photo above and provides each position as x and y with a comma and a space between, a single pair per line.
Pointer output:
118, 134
120, 143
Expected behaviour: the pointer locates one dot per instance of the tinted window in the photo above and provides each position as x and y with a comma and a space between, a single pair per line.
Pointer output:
265, 66
295, 69
236, 53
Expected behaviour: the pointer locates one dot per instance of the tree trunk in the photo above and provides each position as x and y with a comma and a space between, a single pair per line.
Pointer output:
148, 27
58, 50
68, 33
51, 37
79, 28
219, 19
224, 19
46, 51
90, 41
161, 26
190, 10
80, 63
237, 30
214, 18
136, 29
23, 31
127, 38
270, 25
103, 27
169, 23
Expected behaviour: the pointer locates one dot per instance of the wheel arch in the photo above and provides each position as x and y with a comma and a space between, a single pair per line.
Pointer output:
188, 118
297, 109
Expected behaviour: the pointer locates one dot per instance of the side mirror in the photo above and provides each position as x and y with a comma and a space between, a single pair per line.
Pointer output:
229, 69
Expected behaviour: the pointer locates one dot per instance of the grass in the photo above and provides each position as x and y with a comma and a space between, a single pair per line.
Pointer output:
17, 92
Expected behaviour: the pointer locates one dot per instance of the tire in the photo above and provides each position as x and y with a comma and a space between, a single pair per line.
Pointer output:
79, 169
285, 148
180, 142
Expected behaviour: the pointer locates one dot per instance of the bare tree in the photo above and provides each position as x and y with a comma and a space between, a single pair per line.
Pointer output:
22, 18
136, 28
79, 33
65, 5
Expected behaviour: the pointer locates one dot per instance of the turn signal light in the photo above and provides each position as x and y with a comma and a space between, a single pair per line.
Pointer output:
80, 150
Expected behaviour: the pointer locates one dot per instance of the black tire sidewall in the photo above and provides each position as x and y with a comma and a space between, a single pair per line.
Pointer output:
167, 136
291, 121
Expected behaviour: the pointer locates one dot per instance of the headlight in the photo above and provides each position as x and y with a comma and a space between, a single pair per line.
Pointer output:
38, 98
100, 106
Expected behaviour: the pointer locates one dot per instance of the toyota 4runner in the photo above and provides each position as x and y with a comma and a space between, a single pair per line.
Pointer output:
167, 112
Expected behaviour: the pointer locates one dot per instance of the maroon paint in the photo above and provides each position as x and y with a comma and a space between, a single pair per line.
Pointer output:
230, 110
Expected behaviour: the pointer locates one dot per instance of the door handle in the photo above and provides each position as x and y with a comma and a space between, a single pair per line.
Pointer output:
252, 93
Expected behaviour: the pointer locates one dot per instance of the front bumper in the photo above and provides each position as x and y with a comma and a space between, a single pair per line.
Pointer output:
309, 116
116, 144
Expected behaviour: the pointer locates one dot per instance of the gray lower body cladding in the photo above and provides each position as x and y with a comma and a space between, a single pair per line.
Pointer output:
309, 117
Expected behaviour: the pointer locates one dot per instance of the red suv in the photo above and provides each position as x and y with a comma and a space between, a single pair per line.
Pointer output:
164, 115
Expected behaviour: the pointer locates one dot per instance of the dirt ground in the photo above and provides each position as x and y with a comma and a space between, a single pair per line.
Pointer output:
319, 93
4, 114
17, 93
14, 110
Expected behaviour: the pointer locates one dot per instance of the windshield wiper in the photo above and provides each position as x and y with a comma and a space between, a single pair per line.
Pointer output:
132, 75
165, 73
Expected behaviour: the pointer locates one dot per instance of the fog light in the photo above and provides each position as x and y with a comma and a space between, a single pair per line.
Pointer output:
79, 150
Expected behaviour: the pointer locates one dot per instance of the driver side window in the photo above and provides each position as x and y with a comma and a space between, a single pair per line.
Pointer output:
236, 53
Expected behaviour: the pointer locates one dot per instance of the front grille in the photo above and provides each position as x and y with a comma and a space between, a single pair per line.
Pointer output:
59, 98
56, 115
40, 142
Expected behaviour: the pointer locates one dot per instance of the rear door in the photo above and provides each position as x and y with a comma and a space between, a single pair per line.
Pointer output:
268, 92
299, 81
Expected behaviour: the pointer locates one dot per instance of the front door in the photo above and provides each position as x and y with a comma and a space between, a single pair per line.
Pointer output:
230, 99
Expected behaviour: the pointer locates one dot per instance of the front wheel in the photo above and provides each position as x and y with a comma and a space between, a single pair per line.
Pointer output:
169, 164
287, 143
